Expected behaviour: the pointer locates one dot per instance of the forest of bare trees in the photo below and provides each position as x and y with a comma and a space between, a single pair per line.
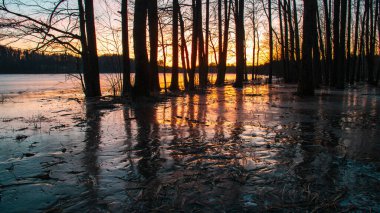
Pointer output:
319, 43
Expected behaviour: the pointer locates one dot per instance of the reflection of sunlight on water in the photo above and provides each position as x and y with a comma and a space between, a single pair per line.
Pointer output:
259, 145
17, 83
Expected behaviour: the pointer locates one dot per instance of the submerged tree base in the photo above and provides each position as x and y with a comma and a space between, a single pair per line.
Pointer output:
254, 149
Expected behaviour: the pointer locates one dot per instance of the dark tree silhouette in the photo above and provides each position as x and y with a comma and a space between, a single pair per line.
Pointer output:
223, 37
240, 38
194, 47
327, 12
125, 42
305, 83
342, 46
174, 86
140, 48
153, 39
93, 88
270, 41
202, 67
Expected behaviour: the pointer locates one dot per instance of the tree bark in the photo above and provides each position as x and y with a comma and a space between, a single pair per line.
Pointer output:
174, 86
305, 83
316, 54
206, 58
240, 61
125, 43
270, 42
348, 54
342, 46
328, 42
254, 40
322, 50
201, 47
223, 53
296, 36
355, 53
295, 68
153, 39
194, 47
372, 43
84, 53
93, 87
184, 52
282, 38
334, 79
378, 28
367, 38
286, 47
142, 78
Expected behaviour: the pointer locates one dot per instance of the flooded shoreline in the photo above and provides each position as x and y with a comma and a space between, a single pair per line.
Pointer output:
260, 148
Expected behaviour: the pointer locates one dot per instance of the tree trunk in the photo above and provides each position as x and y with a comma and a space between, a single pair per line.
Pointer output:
374, 29
372, 43
336, 23
316, 55
153, 39
270, 41
194, 47
174, 86
342, 46
207, 40
286, 47
348, 54
184, 52
223, 53
84, 54
240, 61
163, 46
361, 47
322, 50
220, 35
93, 87
367, 39
201, 47
328, 43
258, 51
305, 83
125, 43
220, 45
355, 53
295, 68
254, 40
378, 69
282, 38
142, 78
296, 36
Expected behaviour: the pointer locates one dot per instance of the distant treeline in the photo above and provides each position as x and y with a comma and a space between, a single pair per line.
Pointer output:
17, 61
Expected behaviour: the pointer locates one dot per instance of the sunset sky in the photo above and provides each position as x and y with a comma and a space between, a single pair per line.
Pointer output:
109, 29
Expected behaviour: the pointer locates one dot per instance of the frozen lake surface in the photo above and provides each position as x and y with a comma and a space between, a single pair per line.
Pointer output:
260, 148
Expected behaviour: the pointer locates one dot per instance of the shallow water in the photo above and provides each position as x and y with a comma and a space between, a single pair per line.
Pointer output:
22, 83
254, 149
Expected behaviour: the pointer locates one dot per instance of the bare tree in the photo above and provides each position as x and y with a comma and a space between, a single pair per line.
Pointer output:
222, 66
174, 86
305, 83
125, 43
270, 41
140, 48
46, 29
153, 39
240, 39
